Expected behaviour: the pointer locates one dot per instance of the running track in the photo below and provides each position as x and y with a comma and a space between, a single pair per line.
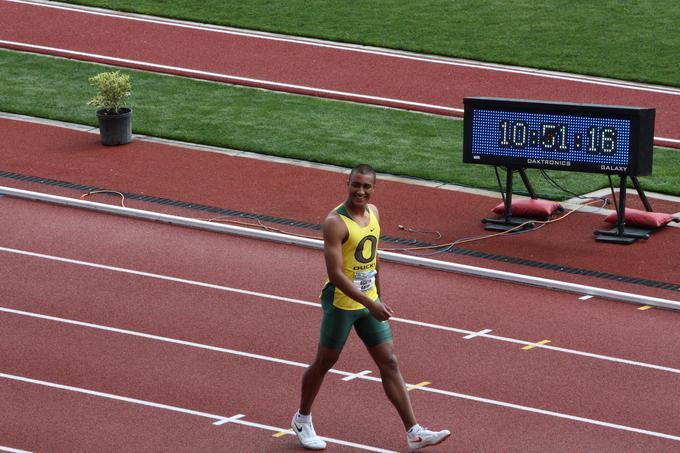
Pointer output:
354, 73
177, 349
161, 354
304, 194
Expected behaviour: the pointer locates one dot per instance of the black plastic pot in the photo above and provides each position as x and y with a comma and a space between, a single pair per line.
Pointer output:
115, 128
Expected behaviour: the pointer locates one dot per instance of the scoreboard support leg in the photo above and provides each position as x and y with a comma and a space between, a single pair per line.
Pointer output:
622, 234
508, 222
527, 184
641, 194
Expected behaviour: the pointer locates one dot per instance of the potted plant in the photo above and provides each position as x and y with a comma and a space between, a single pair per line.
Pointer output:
115, 120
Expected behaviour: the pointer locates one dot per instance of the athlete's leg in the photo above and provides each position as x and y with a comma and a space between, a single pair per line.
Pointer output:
313, 377
302, 424
392, 381
336, 325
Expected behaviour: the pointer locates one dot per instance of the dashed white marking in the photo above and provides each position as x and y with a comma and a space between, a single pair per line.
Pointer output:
228, 420
477, 334
586, 297
298, 364
356, 375
545, 346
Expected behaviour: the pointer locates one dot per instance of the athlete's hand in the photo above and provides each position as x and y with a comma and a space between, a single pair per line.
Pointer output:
380, 311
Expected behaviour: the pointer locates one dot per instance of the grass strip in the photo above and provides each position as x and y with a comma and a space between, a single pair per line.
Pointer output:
622, 39
313, 129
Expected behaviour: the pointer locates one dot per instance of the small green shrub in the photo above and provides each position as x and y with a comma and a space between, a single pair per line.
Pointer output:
112, 89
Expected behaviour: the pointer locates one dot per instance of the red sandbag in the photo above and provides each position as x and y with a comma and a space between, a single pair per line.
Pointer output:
642, 218
530, 208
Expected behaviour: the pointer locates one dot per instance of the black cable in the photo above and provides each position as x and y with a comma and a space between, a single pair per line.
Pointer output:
521, 192
548, 178
436, 234
554, 183
500, 186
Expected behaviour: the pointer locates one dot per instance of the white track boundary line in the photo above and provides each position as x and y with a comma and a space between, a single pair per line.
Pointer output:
356, 48
302, 365
432, 184
221, 418
317, 305
410, 260
228, 77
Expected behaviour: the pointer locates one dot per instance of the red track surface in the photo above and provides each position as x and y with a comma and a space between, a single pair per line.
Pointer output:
312, 69
306, 194
225, 384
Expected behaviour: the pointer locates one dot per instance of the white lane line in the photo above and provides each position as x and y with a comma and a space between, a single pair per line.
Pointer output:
163, 339
476, 334
317, 244
586, 297
159, 277
233, 78
545, 346
238, 421
13, 450
664, 139
550, 413
317, 305
361, 49
261, 82
345, 373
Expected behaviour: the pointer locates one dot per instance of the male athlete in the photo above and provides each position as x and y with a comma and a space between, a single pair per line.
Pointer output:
349, 298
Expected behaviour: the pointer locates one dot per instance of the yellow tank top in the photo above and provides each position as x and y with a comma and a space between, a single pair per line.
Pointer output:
359, 258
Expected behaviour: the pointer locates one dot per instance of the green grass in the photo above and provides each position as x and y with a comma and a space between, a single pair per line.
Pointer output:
623, 39
313, 129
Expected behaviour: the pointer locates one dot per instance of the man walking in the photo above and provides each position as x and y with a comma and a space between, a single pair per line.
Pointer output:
350, 298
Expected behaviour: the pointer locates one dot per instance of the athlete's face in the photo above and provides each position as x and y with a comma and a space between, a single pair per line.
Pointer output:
360, 189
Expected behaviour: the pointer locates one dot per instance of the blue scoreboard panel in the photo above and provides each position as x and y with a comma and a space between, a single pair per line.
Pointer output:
559, 136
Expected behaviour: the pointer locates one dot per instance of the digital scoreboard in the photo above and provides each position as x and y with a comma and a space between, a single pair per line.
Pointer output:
560, 136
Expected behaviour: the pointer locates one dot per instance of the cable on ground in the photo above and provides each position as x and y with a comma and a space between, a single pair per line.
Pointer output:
122, 197
513, 231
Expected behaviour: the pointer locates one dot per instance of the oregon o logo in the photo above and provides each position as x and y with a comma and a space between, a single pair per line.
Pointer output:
359, 252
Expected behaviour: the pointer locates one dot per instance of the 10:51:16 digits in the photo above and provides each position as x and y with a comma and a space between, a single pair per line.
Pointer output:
554, 137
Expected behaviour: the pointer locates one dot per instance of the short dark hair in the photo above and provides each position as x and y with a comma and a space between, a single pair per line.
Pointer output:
364, 169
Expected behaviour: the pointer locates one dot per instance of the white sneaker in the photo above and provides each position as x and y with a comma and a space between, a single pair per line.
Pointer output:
425, 437
306, 434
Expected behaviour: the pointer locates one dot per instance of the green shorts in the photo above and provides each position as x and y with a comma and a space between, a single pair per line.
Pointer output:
337, 323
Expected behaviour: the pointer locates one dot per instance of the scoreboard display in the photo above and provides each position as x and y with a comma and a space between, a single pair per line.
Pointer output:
559, 136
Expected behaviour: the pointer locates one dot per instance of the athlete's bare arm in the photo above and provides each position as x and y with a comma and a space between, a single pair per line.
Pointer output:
377, 260
334, 232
